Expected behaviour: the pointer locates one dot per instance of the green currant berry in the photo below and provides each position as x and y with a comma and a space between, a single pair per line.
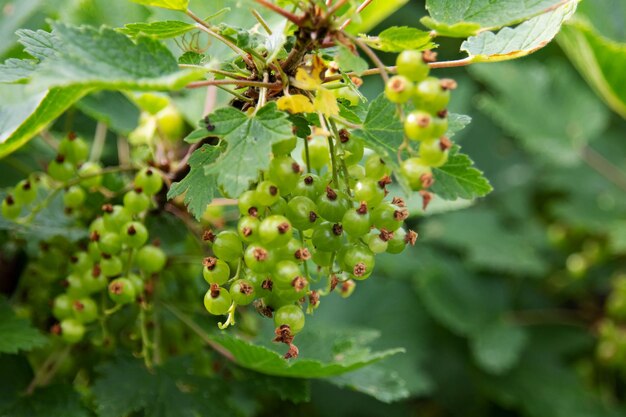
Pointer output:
72, 331
439, 125
348, 94
399, 89
287, 275
389, 216
115, 217
248, 228
301, 212
134, 234
377, 241
81, 262
111, 266
137, 283
76, 286
418, 126
275, 229
149, 181
151, 259
359, 260
284, 147
62, 306
74, 149
352, 148
433, 95
411, 64
346, 288
262, 282
327, 237
319, 152
356, 222
279, 207
290, 315
375, 167
110, 243
309, 185
85, 310
267, 192
322, 258
249, 203
217, 300
61, 170
293, 251
259, 259
435, 153
89, 172
242, 292
227, 246
93, 280
356, 172
369, 190
284, 171
416, 172
10, 208
74, 197
136, 201
215, 271
122, 291
332, 205
400, 239
25, 192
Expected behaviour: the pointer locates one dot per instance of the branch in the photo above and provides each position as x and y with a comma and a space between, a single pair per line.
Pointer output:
284, 13
242, 83
375, 59
204, 26
604, 167
358, 10
335, 7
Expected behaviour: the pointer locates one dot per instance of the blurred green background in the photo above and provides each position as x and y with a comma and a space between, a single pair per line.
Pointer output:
501, 306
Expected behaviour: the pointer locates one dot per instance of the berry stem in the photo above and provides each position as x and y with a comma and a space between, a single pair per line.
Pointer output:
284, 13
48, 369
230, 321
204, 26
358, 10
306, 156
145, 340
344, 168
372, 55
304, 262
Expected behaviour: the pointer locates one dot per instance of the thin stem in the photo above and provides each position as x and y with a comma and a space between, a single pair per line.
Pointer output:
335, 7
204, 26
375, 59
230, 320
261, 21
200, 332
234, 93
344, 168
306, 265
242, 83
263, 93
48, 369
145, 340
307, 158
333, 160
284, 13
604, 167
49, 139
358, 10
123, 151
98, 142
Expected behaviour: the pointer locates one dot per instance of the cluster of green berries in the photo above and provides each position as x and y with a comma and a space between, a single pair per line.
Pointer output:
611, 348
118, 259
427, 119
296, 226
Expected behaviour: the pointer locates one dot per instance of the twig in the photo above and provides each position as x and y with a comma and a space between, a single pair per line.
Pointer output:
204, 26
261, 21
375, 59
98, 142
200, 332
604, 167
48, 369
335, 7
243, 83
358, 10
284, 13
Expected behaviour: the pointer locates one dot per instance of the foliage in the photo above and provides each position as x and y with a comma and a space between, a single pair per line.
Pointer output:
512, 302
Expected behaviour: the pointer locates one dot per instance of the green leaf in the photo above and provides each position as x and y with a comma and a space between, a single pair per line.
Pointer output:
511, 43
456, 123
575, 118
104, 58
348, 61
340, 353
112, 108
488, 244
23, 116
497, 348
157, 30
192, 58
600, 60
125, 386
371, 16
459, 179
57, 400
21, 374
382, 130
14, 15
16, 70
249, 142
400, 38
17, 334
461, 18
376, 381
200, 187
180, 5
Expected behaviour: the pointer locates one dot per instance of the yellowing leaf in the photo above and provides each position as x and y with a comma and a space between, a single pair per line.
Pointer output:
296, 103
305, 81
326, 103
